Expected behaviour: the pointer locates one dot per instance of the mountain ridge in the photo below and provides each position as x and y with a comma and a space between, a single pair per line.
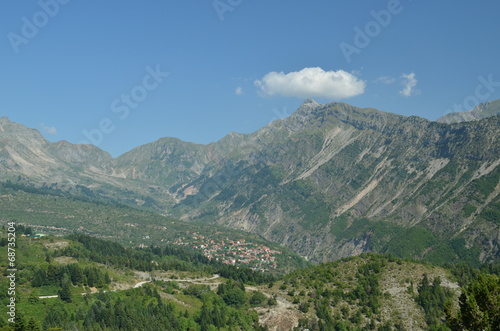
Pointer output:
482, 110
328, 181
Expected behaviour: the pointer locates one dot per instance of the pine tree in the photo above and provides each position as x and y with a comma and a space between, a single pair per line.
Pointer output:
20, 324
479, 305
39, 279
56, 317
33, 325
76, 274
52, 274
65, 293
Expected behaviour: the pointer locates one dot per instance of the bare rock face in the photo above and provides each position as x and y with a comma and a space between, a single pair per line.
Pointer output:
333, 180
483, 110
279, 318
329, 181
85, 155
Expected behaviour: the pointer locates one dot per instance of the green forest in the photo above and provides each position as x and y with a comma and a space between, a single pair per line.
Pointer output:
70, 284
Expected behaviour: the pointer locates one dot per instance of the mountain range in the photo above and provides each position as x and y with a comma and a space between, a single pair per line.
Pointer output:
329, 181
482, 110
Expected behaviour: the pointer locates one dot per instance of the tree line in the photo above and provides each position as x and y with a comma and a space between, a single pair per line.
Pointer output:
167, 257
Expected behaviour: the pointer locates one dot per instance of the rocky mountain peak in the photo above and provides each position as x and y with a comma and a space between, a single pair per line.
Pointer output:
309, 104
482, 110
14, 131
80, 154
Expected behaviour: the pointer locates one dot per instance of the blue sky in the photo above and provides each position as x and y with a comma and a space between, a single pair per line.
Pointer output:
125, 73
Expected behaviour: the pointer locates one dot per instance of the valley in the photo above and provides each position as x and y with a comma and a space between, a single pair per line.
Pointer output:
82, 282
335, 218
329, 181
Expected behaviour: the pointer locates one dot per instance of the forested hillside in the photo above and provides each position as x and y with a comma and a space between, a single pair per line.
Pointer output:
52, 211
84, 283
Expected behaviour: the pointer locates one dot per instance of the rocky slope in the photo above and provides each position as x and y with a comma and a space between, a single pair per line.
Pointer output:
27, 158
368, 292
334, 180
329, 181
483, 110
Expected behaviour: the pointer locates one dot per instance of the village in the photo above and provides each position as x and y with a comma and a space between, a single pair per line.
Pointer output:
239, 252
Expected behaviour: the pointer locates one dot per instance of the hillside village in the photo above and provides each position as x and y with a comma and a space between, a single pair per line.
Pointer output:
237, 252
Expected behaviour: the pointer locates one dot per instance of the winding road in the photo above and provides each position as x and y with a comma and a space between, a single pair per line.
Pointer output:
191, 280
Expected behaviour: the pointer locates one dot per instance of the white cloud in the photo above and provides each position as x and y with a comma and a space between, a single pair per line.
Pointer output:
385, 80
239, 90
409, 82
48, 129
310, 83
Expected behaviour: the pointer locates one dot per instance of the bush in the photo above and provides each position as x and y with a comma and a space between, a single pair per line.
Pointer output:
257, 298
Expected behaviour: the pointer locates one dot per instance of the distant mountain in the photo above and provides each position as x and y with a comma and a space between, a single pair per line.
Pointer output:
26, 152
483, 110
334, 180
26, 157
329, 181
